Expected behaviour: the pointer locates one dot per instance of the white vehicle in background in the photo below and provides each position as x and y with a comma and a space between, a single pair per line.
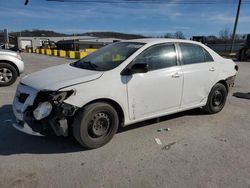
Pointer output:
11, 66
121, 84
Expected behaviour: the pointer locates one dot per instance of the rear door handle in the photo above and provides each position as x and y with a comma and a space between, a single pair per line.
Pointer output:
176, 75
212, 69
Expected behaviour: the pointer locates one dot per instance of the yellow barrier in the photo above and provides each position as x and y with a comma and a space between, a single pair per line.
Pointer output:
90, 50
48, 52
62, 53
55, 52
33, 50
71, 54
42, 51
82, 55
77, 55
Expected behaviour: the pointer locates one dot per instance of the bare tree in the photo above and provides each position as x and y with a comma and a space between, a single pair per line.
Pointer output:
168, 35
211, 38
179, 35
225, 34
176, 35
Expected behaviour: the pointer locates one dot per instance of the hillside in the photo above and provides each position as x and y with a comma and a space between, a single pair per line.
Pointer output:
48, 33
37, 33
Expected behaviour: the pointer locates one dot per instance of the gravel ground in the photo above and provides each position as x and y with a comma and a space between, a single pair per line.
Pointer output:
199, 150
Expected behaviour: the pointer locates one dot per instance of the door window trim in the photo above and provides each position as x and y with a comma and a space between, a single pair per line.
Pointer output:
178, 62
180, 53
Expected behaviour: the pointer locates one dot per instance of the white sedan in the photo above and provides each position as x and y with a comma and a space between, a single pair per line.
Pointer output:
121, 84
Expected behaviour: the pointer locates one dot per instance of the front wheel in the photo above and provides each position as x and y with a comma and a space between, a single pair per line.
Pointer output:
8, 74
95, 125
216, 99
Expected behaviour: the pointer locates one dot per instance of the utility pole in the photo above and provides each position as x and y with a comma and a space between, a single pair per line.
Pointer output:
26, 2
235, 26
74, 42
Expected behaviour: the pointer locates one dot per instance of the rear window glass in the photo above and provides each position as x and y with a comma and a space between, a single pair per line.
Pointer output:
192, 54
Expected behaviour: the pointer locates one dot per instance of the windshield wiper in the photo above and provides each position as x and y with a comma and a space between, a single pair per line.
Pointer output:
93, 66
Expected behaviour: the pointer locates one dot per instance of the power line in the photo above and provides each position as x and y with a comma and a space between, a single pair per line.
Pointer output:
151, 1
188, 2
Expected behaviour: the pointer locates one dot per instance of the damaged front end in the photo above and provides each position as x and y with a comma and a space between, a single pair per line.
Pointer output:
42, 112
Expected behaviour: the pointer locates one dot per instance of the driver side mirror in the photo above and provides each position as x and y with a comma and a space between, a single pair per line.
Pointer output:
136, 68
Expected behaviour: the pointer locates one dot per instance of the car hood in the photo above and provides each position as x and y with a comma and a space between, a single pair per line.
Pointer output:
57, 77
7, 52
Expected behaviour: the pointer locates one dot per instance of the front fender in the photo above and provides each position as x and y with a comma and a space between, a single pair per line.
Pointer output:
17, 62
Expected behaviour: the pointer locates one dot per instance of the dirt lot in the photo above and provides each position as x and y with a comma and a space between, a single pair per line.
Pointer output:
199, 151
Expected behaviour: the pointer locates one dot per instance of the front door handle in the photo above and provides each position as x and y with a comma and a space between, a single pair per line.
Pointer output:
176, 75
212, 69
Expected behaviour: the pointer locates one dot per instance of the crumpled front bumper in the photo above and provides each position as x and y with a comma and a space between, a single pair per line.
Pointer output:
28, 99
19, 108
24, 127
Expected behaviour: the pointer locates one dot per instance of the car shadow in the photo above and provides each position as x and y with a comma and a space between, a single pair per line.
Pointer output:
13, 141
16, 142
193, 112
242, 95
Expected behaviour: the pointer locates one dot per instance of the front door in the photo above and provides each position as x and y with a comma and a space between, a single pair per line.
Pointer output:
159, 90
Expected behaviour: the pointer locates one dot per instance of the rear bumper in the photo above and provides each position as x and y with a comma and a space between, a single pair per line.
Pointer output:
230, 81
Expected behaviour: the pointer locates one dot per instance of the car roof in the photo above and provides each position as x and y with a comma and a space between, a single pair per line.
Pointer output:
160, 40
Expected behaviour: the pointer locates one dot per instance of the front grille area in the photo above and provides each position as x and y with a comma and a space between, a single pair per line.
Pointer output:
22, 97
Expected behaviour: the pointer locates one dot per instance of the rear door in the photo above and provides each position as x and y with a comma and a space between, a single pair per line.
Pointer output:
198, 72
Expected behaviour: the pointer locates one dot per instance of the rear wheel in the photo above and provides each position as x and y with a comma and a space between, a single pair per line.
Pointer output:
216, 99
8, 74
95, 125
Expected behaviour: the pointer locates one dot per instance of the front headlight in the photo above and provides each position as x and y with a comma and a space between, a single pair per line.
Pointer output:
55, 97
60, 97
43, 110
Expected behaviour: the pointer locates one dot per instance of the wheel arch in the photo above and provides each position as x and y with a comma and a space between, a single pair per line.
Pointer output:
113, 103
223, 82
12, 64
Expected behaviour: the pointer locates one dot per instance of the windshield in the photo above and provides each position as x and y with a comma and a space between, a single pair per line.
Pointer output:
108, 57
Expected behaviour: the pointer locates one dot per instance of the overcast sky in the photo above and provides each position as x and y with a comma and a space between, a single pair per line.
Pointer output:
139, 18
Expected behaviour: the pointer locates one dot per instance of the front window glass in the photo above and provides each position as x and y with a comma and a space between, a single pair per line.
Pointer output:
158, 57
108, 57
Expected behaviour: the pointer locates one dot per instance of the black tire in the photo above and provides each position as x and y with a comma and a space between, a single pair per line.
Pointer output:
216, 99
95, 125
10, 70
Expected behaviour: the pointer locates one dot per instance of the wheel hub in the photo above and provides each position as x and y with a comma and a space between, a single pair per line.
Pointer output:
5, 75
99, 125
218, 98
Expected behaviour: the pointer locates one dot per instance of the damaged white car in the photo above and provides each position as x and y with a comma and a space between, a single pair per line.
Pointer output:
120, 84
